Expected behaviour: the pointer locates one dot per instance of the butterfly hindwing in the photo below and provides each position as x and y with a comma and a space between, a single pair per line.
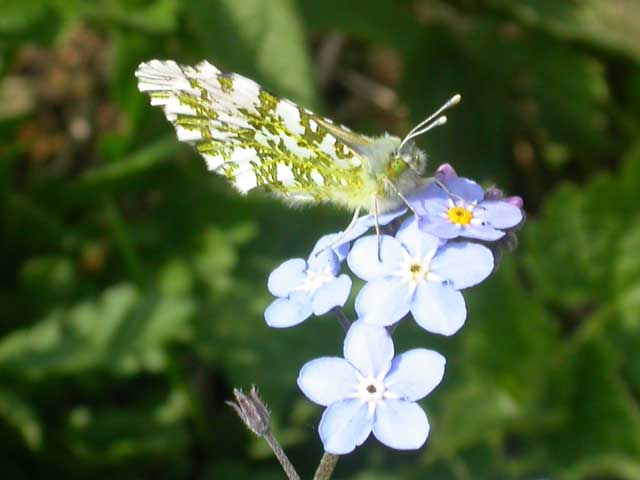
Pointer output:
252, 137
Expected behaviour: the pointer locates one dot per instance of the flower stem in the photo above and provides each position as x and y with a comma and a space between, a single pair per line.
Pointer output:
255, 415
342, 318
287, 466
326, 467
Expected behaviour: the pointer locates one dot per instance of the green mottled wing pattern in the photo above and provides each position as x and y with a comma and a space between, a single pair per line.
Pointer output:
252, 137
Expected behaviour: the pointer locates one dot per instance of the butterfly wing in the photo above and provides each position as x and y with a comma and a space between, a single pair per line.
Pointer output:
254, 138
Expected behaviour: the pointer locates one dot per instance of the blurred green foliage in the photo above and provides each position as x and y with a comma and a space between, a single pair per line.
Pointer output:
134, 283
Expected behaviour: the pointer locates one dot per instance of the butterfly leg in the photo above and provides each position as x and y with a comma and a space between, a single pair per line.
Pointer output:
446, 190
402, 197
342, 236
376, 214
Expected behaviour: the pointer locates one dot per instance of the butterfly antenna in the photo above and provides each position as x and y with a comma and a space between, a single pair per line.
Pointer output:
427, 124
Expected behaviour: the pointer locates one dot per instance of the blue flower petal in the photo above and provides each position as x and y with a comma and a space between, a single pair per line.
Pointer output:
383, 218
356, 231
285, 312
344, 426
440, 227
363, 258
424, 197
401, 425
469, 190
463, 264
331, 294
368, 348
287, 276
499, 214
439, 308
384, 301
482, 232
414, 374
328, 241
416, 241
434, 206
327, 380
364, 223
324, 259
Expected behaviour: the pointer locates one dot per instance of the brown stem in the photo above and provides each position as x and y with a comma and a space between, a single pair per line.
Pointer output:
326, 467
287, 466
342, 318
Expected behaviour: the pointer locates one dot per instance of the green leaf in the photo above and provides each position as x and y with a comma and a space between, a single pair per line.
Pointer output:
154, 16
572, 250
506, 101
18, 15
385, 21
21, 415
122, 331
258, 39
610, 24
111, 435
601, 420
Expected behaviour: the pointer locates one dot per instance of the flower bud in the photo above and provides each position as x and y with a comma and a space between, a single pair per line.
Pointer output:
252, 411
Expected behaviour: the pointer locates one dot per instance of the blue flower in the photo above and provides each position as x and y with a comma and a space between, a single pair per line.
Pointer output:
306, 287
365, 222
464, 210
371, 391
418, 273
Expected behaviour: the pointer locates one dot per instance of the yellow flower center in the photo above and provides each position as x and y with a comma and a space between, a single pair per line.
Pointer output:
459, 215
416, 272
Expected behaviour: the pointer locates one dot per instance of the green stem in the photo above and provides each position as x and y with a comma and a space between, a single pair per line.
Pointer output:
122, 240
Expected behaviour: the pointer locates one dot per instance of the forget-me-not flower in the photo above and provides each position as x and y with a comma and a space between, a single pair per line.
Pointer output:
371, 391
462, 209
419, 273
365, 222
306, 287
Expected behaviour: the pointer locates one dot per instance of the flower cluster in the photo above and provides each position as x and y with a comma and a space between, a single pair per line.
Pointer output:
419, 265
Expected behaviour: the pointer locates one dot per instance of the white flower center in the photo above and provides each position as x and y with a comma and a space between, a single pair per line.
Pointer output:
315, 279
372, 390
417, 269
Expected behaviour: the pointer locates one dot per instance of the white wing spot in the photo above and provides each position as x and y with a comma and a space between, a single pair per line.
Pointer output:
328, 146
188, 134
161, 76
290, 116
293, 147
313, 126
223, 136
246, 93
243, 156
174, 106
213, 161
205, 70
246, 180
284, 174
275, 139
262, 139
317, 178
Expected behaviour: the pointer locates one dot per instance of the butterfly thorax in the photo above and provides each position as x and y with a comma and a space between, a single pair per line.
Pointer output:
393, 171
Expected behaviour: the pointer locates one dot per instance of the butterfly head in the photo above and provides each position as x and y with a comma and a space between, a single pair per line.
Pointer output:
407, 157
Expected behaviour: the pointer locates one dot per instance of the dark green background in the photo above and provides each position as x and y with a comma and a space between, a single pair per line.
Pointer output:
133, 282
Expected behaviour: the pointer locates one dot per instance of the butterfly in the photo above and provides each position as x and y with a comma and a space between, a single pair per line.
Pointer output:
256, 139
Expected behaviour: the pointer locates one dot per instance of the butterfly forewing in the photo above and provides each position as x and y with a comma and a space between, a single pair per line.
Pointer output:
254, 138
